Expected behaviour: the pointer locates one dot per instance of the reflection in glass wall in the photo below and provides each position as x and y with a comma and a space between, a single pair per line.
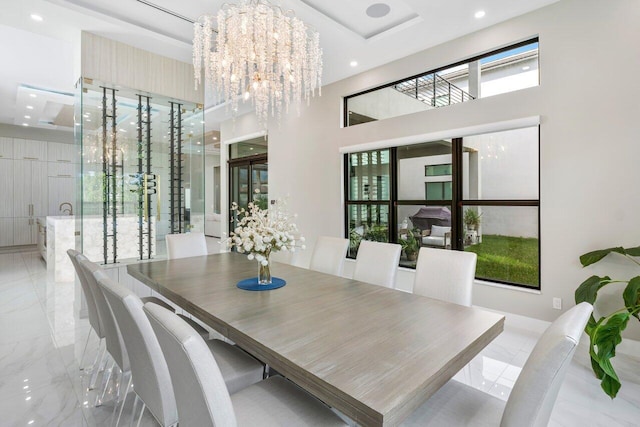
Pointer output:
142, 171
501, 165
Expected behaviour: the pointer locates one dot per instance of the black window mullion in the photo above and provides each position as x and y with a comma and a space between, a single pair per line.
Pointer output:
456, 194
393, 195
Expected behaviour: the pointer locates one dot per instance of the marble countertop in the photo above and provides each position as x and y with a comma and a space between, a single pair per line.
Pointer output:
60, 217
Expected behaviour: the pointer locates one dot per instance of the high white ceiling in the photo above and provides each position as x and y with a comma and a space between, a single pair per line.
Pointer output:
41, 54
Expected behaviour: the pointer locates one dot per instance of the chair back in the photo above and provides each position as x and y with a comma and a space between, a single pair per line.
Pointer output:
92, 310
377, 263
113, 338
201, 394
445, 275
151, 379
186, 245
329, 254
534, 393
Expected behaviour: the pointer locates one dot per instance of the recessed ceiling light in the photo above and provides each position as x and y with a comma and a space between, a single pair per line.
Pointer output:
25, 124
88, 120
525, 68
35, 17
122, 130
378, 10
198, 142
480, 14
29, 107
27, 117
215, 138
33, 95
353, 63
132, 123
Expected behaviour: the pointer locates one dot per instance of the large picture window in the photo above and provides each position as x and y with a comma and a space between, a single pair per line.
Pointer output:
477, 194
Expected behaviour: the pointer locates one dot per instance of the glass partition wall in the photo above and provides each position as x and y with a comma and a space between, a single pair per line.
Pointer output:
142, 171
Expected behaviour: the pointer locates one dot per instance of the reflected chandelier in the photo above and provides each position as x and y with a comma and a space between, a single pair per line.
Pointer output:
260, 52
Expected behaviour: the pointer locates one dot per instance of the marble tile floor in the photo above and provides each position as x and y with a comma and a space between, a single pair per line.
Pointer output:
41, 341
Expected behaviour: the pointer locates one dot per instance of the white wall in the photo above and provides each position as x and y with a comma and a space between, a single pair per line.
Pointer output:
385, 103
589, 145
508, 169
411, 178
210, 161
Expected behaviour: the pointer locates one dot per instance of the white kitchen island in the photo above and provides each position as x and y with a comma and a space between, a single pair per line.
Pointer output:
61, 236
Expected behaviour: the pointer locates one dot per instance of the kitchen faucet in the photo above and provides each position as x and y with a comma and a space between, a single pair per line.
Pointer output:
68, 210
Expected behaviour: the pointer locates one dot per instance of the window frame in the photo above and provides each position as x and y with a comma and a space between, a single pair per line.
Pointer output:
456, 204
426, 168
345, 100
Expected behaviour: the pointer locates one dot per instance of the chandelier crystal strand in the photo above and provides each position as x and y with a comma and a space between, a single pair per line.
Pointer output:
258, 52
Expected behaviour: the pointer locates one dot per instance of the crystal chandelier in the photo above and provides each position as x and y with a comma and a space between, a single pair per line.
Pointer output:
260, 52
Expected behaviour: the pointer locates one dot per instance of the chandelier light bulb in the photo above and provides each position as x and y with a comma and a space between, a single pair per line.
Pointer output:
256, 38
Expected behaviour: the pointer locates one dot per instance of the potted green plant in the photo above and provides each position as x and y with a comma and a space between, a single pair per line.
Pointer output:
410, 244
605, 333
471, 219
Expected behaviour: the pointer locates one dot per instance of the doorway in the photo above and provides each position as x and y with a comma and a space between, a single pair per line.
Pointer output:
248, 175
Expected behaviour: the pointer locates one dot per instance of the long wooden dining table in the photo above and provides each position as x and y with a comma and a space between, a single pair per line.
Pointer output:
373, 353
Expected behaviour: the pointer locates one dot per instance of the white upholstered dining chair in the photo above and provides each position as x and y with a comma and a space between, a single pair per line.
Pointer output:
329, 254
152, 382
92, 310
445, 275
533, 396
203, 400
377, 263
113, 338
186, 245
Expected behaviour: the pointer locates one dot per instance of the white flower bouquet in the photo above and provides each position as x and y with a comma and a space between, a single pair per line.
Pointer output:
260, 232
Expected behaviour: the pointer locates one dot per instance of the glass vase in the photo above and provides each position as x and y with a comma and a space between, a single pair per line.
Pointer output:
264, 273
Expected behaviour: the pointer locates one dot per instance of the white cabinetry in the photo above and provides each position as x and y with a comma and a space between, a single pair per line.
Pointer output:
59, 152
6, 188
6, 202
6, 231
35, 178
27, 149
24, 231
29, 199
61, 190
6, 148
61, 170
30, 188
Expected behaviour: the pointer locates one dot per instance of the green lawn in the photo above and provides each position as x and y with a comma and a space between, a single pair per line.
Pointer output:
508, 259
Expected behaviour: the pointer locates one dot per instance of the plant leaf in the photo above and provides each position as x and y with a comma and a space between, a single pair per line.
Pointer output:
631, 296
595, 256
597, 369
606, 336
610, 386
633, 251
588, 290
